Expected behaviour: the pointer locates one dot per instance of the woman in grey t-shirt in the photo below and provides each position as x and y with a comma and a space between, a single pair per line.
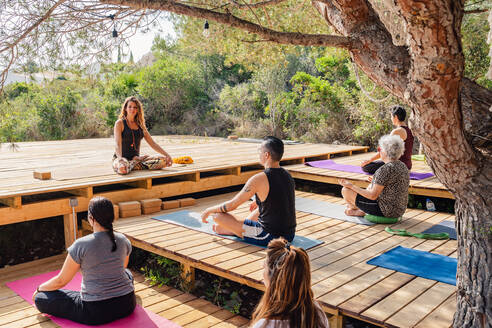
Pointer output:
387, 195
107, 292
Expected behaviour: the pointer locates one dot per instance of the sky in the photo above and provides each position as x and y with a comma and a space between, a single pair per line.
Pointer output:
141, 43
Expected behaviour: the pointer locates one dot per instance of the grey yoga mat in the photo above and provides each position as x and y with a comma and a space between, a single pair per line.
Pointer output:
327, 209
193, 221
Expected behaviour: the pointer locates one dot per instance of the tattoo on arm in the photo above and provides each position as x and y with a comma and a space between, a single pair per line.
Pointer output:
246, 188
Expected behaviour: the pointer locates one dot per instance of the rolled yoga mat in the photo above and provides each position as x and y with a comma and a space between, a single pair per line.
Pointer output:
139, 318
331, 165
418, 263
193, 221
327, 210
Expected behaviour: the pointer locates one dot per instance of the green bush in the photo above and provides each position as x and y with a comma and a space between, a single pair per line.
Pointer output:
58, 113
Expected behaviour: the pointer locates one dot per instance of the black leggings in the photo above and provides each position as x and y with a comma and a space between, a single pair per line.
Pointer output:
372, 167
68, 304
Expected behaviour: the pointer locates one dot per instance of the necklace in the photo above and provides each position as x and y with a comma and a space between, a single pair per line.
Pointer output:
133, 137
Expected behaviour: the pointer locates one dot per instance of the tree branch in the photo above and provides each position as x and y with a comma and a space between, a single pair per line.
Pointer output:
33, 26
475, 11
233, 21
257, 4
384, 62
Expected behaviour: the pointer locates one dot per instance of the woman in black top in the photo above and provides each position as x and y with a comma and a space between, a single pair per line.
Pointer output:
129, 130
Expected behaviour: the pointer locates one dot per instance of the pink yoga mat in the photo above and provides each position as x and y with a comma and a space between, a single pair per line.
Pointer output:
331, 165
139, 318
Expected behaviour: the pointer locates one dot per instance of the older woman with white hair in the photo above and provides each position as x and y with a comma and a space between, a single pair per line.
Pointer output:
387, 195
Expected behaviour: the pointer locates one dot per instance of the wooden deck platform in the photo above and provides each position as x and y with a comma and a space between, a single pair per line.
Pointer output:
82, 169
172, 304
426, 187
342, 281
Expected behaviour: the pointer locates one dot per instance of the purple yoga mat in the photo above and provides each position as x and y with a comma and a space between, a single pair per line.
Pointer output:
139, 318
331, 165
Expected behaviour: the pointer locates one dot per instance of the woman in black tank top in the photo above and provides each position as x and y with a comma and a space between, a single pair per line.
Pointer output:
129, 131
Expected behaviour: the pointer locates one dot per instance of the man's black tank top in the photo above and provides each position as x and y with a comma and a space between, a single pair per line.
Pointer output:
277, 211
130, 141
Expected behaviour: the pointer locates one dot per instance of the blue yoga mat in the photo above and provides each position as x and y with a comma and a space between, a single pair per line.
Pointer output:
444, 226
418, 263
193, 221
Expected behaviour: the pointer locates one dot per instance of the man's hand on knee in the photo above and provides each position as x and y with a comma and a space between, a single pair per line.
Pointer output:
205, 214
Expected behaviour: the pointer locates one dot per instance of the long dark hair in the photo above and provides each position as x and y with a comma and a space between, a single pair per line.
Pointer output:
101, 210
139, 118
288, 295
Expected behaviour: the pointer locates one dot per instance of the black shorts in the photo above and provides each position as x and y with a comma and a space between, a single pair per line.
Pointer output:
369, 206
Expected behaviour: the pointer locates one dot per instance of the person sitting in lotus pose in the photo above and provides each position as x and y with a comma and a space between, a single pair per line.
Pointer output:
107, 292
129, 130
398, 115
387, 195
273, 214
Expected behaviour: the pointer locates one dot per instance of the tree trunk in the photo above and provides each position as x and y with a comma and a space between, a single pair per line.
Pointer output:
451, 118
474, 277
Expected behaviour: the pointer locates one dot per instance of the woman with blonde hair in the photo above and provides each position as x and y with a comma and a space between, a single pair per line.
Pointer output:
288, 299
129, 130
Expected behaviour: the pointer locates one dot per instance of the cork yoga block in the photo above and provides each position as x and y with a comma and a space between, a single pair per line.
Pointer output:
169, 204
130, 213
128, 209
125, 206
186, 202
148, 203
149, 210
41, 175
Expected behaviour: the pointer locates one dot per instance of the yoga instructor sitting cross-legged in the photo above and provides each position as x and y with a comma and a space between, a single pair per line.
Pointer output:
274, 214
129, 130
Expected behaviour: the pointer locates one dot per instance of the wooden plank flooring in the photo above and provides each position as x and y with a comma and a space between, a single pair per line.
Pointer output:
82, 169
182, 308
89, 161
427, 187
342, 281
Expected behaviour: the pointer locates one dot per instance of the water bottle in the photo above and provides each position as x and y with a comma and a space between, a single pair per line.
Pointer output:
430, 205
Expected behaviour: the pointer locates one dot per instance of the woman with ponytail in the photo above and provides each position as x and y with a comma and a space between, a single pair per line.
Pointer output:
107, 292
288, 300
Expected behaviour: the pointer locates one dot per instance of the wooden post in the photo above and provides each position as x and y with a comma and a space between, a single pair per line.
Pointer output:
144, 184
188, 276
336, 321
14, 202
68, 228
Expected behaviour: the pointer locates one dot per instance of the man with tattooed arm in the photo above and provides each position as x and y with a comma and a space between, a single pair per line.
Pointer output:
273, 213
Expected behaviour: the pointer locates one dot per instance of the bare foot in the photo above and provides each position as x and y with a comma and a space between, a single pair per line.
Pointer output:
354, 212
221, 231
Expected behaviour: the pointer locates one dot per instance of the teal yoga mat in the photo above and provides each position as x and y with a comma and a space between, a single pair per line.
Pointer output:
328, 210
418, 263
193, 221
